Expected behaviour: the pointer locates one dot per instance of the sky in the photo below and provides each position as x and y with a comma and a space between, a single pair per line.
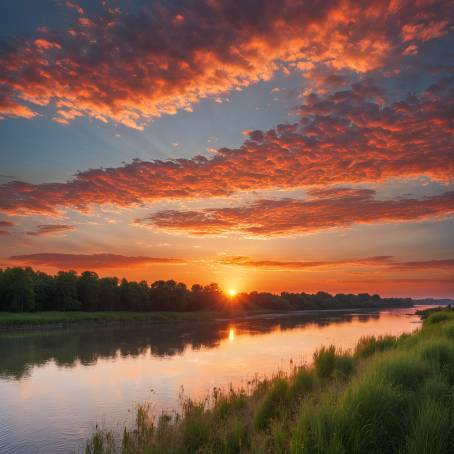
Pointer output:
264, 145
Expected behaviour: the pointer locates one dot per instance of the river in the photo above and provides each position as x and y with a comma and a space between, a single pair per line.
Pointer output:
55, 386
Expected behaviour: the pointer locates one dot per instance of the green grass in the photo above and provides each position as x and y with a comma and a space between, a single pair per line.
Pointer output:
388, 395
35, 319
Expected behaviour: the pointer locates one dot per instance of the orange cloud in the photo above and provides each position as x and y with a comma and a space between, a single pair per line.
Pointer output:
4, 224
425, 31
383, 262
129, 68
12, 108
345, 137
51, 229
89, 261
328, 209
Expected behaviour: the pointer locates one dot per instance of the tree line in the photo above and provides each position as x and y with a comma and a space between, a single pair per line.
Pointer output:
27, 290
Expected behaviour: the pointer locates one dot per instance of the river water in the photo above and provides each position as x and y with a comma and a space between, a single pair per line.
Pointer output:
55, 386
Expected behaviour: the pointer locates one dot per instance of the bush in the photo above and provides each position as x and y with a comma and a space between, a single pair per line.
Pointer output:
327, 361
374, 417
303, 382
271, 403
437, 317
317, 431
324, 361
367, 346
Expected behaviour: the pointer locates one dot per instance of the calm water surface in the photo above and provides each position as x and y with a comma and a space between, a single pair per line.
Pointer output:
55, 386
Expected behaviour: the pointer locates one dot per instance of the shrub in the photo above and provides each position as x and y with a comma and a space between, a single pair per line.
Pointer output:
374, 415
324, 361
367, 346
303, 382
235, 436
316, 431
271, 403
437, 317
327, 361
195, 426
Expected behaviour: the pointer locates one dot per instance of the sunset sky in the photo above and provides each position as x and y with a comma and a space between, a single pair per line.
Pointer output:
264, 145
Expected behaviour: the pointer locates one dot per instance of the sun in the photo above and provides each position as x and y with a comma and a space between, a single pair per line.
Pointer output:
232, 292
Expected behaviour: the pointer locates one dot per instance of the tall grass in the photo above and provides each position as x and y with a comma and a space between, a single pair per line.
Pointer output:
388, 395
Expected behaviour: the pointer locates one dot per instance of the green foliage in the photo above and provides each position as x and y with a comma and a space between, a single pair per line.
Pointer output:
327, 361
401, 369
438, 317
272, 403
303, 382
315, 430
432, 428
373, 416
195, 426
367, 346
16, 290
24, 290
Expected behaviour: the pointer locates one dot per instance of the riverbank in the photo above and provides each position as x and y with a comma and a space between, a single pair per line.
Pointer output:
56, 319
387, 395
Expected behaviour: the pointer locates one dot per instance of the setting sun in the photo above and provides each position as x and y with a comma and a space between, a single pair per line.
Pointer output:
172, 172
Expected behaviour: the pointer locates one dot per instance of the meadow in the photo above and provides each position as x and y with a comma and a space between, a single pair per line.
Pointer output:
389, 394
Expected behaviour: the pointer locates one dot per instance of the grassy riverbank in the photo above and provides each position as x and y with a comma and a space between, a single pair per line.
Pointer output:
393, 395
55, 319
12, 320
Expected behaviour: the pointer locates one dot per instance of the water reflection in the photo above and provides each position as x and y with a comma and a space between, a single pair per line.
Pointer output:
55, 386
20, 352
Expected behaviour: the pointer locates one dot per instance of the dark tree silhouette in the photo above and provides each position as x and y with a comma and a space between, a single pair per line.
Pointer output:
25, 290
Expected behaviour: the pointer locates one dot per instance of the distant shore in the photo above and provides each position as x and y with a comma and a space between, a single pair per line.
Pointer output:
55, 319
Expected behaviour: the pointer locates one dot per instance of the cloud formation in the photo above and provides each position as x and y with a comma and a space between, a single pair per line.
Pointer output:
5, 225
383, 262
51, 229
341, 138
331, 208
130, 67
90, 261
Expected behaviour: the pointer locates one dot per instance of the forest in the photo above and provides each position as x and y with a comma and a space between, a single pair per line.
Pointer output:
27, 290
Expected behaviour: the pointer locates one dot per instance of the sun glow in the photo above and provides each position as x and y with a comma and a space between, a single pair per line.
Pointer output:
232, 292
